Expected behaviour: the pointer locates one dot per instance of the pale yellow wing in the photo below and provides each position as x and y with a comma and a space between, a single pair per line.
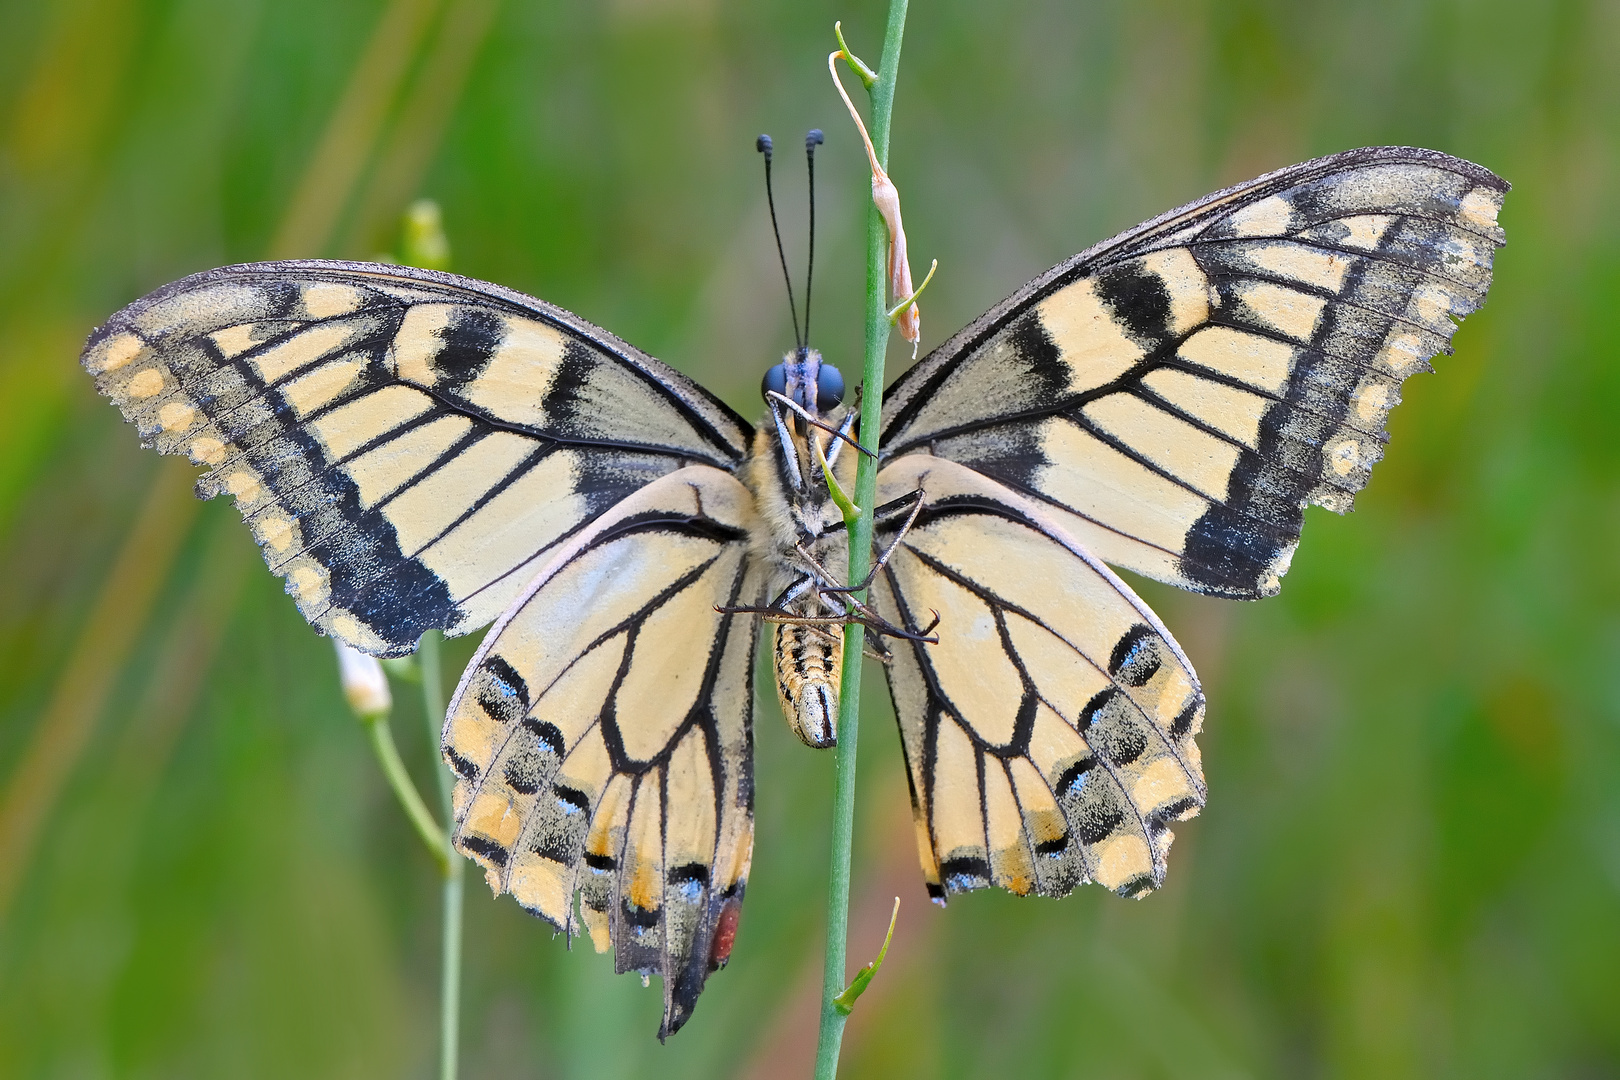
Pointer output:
1049, 734
1180, 393
407, 446
601, 735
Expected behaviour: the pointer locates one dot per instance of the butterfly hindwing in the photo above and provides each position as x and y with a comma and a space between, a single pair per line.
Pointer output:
1049, 733
601, 734
1180, 393
407, 446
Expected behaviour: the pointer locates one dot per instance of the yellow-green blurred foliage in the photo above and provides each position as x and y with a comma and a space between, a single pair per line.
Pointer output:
1410, 861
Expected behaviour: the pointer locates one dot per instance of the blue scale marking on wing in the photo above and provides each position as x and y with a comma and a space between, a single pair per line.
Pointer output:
1018, 746
687, 983
971, 505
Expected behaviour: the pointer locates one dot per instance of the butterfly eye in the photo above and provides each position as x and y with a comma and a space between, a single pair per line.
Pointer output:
774, 382
829, 388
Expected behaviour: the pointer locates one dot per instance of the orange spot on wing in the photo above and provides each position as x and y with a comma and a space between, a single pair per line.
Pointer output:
725, 933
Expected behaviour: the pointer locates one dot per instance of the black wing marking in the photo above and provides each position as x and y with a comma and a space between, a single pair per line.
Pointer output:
1049, 734
1187, 388
406, 445
602, 735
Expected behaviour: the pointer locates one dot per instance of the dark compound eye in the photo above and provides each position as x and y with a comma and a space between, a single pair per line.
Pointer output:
774, 382
829, 388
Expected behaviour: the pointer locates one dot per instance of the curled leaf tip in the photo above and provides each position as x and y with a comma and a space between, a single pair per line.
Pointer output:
841, 500
845, 1002
856, 64
899, 310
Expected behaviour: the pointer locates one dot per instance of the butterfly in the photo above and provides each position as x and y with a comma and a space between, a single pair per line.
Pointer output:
415, 450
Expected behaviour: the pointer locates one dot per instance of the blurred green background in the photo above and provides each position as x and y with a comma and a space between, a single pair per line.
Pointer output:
1410, 861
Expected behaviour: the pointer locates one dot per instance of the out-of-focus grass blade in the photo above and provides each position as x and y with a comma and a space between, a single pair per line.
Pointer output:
115, 622
120, 611
424, 115
352, 132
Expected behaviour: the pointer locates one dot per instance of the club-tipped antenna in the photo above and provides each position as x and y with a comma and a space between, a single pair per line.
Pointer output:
812, 139
763, 145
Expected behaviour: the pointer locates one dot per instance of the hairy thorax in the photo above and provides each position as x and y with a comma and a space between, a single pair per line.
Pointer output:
799, 539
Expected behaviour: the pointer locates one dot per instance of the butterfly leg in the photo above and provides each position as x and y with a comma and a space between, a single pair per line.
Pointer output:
854, 611
876, 622
777, 610
843, 435
916, 500
787, 608
847, 611
874, 648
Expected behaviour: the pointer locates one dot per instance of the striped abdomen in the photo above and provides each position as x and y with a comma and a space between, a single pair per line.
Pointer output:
808, 662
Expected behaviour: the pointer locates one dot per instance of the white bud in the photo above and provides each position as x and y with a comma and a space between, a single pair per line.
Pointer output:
364, 684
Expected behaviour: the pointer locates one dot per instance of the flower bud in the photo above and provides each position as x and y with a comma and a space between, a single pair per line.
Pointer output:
364, 684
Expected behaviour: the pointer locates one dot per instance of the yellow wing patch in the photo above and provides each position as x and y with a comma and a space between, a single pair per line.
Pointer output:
1049, 734
601, 734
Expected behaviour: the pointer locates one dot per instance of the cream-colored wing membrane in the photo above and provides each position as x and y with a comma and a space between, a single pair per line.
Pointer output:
601, 734
1049, 734
1187, 388
407, 446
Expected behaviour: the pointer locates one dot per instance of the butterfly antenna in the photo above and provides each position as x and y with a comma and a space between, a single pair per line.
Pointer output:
811, 140
763, 145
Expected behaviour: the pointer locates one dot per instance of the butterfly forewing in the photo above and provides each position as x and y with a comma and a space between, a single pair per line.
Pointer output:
601, 735
1049, 733
407, 446
1183, 391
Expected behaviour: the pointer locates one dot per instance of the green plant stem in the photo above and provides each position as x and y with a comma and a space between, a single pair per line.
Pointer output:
382, 742
450, 973
860, 560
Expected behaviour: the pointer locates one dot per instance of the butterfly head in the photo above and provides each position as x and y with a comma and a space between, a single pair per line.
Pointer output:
804, 379
807, 416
